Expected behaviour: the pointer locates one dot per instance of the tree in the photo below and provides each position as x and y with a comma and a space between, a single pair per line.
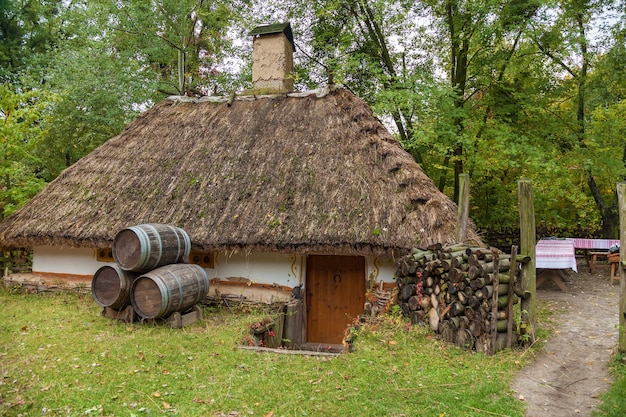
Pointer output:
373, 48
183, 42
566, 42
110, 60
28, 29
20, 131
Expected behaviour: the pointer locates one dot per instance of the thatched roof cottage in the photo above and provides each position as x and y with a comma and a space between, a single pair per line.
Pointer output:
275, 191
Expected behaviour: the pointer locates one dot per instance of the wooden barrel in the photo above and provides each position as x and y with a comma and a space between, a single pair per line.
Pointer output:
145, 247
168, 289
111, 285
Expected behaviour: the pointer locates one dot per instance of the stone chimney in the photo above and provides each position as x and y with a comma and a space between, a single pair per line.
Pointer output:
272, 58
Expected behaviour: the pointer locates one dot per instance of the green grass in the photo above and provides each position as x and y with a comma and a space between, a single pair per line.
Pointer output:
614, 400
58, 357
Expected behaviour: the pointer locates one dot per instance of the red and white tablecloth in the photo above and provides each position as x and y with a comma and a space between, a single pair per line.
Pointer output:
602, 244
556, 254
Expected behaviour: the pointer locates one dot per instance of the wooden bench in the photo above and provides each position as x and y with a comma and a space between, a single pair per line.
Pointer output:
593, 259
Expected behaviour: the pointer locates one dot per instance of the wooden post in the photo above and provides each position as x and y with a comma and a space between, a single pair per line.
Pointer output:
494, 305
621, 198
527, 248
462, 217
292, 331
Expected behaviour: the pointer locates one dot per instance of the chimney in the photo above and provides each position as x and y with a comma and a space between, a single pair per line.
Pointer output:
272, 58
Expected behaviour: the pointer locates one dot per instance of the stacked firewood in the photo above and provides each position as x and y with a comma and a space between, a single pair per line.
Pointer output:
465, 293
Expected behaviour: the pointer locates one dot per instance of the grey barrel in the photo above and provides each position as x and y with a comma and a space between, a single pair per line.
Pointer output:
111, 285
148, 246
168, 289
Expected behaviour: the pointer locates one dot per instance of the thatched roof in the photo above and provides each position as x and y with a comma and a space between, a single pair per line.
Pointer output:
290, 173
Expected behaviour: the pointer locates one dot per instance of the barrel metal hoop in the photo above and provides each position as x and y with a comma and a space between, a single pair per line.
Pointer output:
166, 294
180, 292
144, 243
187, 243
160, 245
202, 294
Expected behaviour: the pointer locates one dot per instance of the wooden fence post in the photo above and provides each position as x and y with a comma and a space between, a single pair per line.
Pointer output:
462, 217
527, 248
621, 199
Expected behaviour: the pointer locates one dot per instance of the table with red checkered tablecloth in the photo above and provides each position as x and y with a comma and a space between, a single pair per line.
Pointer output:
556, 254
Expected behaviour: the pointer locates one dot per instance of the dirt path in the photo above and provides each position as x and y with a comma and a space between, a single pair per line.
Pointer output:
569, 376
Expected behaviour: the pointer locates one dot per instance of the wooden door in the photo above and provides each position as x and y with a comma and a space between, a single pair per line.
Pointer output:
335, 295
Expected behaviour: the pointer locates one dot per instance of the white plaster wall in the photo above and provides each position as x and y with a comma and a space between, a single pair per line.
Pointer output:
74, 261
383, 269
286, 270
259, 268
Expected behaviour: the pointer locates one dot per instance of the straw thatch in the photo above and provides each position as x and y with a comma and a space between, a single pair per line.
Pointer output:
290, 173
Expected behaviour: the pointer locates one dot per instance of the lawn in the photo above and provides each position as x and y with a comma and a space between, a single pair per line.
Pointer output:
58, 357
614, 401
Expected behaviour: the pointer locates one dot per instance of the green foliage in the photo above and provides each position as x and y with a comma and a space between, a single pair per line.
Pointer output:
20, 133
28, 30
182, 42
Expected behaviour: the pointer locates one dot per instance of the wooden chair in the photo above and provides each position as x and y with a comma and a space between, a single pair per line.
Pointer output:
613, 258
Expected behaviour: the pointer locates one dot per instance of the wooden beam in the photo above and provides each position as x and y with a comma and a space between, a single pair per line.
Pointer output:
288, 352
527, 248
621, 198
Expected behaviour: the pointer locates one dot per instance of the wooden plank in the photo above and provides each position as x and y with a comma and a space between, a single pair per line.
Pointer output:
621, 196
289, 352
528, 241
279, 324
127, 314
178, 320
292, 332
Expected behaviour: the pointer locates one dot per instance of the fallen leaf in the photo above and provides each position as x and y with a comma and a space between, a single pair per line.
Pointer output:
270, 414
203, 401
393, 342
167, 406
156, 394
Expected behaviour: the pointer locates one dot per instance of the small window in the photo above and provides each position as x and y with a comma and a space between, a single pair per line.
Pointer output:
205, 260
104, 255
